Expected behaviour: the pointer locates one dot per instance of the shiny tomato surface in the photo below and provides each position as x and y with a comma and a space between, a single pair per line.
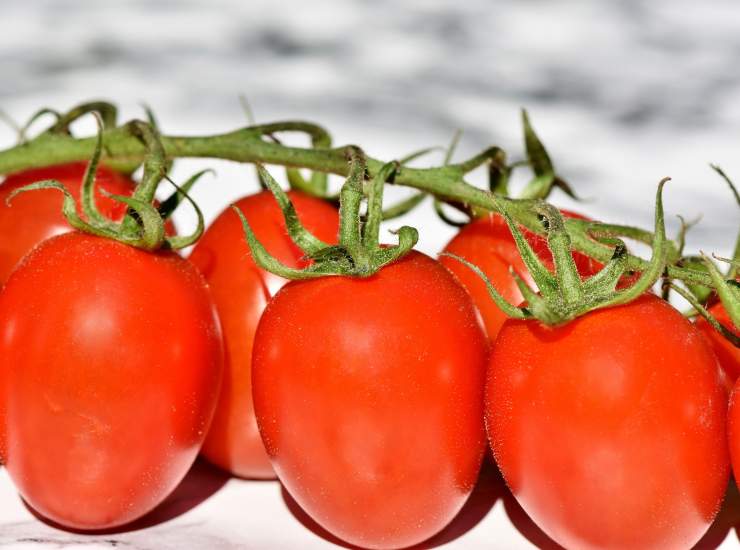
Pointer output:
610, 430
34, 216
241, 291
727, 354
368, 395
487, 243
110, 375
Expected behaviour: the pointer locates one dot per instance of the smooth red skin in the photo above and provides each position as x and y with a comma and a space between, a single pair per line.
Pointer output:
727, 354
35, 216
733, 429
368, 394
487, 243
111, 369
610, 430
241, 291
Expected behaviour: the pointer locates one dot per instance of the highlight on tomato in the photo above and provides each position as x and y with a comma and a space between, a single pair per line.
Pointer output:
111, 371
610, 430
241, 290
605, 408
368, 395
367, 378
112, 359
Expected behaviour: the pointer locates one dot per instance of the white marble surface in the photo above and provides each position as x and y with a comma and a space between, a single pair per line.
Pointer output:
623, 93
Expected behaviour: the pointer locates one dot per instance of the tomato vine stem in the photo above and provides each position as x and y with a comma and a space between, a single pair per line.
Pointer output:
123, 150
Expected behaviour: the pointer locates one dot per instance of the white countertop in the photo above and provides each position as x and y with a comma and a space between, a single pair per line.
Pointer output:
211, 511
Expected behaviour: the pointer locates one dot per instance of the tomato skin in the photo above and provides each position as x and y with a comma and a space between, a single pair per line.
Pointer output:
487, 243
241, 291
727, 354
35, 216
368, 395
111, 371
610, 430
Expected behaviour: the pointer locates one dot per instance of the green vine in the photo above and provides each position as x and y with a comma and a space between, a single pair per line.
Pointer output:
561, 297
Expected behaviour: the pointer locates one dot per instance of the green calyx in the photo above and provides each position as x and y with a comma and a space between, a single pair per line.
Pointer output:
562, 296
126, 149
359, 253
725, 287
143, 225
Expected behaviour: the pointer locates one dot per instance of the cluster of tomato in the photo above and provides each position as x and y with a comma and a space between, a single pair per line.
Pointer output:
369, 399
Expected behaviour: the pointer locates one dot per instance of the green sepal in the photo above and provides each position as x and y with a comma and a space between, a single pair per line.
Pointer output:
150, 234
509, 309
265, 260
499, 174
407, 239
170, 204
608, 277
700, 292
302, 237
657, 263
545, 281
728, 291
69, 206
371, 231
704, 312
558, 241
87, 191
177, 242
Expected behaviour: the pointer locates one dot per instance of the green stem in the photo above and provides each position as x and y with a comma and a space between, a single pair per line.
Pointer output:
123, 150
351, 196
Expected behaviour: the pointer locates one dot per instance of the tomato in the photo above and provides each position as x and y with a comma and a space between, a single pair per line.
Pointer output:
610, 430
733, 430
110, 374
727, 354
368, 396
33, 217
487, 243
241, 291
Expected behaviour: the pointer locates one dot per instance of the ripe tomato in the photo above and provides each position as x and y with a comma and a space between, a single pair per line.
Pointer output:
727, 354
610, 430
487, 242
33, 217
368, 395
241, 291
110, 374
733, 430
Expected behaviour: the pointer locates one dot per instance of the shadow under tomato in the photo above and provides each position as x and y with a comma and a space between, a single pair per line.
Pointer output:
201, 482
487, 490
727, 519
525, 525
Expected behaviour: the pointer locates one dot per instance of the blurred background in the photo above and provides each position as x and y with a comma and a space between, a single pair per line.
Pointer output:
622, 93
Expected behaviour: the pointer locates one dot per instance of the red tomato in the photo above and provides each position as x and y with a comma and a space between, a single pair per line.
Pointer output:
368, 395
733, 429
487, 242
728, 355
111, 371
241, 291
610, 430
33, 217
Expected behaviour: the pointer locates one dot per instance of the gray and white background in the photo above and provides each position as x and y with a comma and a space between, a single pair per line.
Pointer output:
622, 93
